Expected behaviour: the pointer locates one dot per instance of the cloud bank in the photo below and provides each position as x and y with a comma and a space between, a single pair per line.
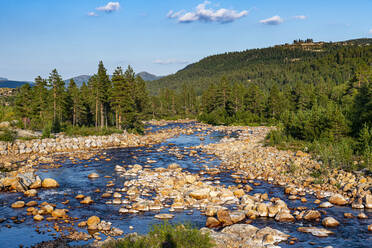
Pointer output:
275, 20
170, 62
110, 7
204, 14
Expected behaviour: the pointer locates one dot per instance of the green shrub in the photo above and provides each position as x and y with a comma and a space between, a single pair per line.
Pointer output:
8, 135
166, 235
88, 131
56, 126
335, 154
47, 130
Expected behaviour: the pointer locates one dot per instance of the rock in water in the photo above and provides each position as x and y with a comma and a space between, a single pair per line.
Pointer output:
318, 232
164, 216
93, 176
93, 222
212, 222
49, 183
330, 222
223, 216
338, 199
18, 204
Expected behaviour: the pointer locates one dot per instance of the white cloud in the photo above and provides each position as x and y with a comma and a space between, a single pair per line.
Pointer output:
370, 31
92, 14
275, 20
170, 61
171, 14
110, 7
300, 17
204, 14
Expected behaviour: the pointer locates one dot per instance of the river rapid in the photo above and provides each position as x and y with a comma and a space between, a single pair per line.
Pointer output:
19, 229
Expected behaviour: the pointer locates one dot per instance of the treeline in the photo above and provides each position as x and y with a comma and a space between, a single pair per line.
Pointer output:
120, 102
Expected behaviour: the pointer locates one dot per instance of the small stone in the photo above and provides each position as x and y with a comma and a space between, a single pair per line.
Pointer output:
348, 215
38, 217
79, 197
59, 213
31, 204
30, 192
93, 175
326, 205
164, 216
18, 204
362, 216
87, 200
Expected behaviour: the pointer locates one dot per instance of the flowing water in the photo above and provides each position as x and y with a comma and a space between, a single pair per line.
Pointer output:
73, 179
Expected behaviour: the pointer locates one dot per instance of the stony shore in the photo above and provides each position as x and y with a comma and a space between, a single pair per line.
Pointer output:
296, 171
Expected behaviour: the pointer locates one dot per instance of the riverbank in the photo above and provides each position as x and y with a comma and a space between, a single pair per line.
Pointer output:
41, 150
297, 171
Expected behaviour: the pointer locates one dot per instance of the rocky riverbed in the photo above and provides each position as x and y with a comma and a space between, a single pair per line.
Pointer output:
221, 179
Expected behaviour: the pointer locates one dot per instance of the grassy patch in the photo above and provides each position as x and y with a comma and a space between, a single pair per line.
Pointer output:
8, 135
165, 236
88, 131
334, 154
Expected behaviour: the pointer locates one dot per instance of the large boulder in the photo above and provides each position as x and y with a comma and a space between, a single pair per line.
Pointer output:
212, 222
93, 222
338, 199
330, 222
284, 216
224, 217
200, 194
312, 215
368, 201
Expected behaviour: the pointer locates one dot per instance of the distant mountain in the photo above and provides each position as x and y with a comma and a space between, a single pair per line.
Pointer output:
13, 84
148, 76
79, 80
3, 79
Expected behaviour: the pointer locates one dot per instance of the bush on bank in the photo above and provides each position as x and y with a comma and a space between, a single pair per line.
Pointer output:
166, 235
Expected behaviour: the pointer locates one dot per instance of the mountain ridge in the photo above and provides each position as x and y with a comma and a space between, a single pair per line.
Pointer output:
247, 66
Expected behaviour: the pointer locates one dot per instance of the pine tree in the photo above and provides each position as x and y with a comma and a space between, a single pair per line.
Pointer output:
75, 102
40, 100
58, 90
103, 89
23, 102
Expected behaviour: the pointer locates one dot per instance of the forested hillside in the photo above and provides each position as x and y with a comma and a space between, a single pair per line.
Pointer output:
305, 62
319, 94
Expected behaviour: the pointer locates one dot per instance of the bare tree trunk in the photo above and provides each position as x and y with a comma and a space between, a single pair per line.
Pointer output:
102, 117
54, 104
96, 111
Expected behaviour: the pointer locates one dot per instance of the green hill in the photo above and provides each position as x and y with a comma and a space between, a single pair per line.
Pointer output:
305, 61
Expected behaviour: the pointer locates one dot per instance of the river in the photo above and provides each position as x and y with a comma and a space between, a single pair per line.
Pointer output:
20, 229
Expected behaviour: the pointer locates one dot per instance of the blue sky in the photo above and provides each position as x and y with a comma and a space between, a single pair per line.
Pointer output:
160, 36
